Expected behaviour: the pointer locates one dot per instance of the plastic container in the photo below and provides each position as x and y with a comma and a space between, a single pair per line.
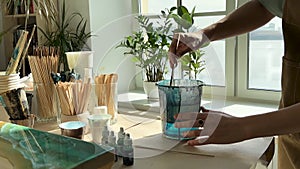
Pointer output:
183, 96
97, 123
45, 102
72, 129
106, 95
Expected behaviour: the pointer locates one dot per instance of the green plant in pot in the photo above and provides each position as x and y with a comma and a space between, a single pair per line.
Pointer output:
148, 48
192, 63
58, 30
65, 36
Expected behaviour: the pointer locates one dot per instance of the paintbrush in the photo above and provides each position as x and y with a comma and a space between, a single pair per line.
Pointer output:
14, 61
26, 49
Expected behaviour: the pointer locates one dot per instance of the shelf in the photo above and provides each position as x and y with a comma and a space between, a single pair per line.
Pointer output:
20, 15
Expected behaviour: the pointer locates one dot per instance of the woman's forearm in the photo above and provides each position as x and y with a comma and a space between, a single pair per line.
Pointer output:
283, 121
248, 17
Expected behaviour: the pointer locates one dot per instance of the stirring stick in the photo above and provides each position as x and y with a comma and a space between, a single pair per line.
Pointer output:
172, 76
172, 73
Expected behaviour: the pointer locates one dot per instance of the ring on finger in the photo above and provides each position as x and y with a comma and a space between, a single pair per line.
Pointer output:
200, 122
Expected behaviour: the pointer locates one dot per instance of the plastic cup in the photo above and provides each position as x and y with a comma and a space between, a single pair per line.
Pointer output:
29, 122
83, 117
100, 110
9, 82
72, 129
45, 103
106, 95
97, 123
182, 97
15, 103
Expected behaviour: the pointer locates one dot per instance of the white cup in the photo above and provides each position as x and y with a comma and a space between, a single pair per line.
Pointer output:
97, 123
100, 110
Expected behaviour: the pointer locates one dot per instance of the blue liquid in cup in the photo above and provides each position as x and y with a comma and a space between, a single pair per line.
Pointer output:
182, 97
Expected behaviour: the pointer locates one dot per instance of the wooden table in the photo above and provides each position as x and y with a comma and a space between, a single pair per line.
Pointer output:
140, 127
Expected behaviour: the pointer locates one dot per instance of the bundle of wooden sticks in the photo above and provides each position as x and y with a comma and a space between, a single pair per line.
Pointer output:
105, 89
74, 96
42, 63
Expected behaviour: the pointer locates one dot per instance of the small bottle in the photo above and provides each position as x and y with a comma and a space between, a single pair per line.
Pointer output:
63, 76
72, 76
128, 158
106, 143
105, 134
120, 142
112, 143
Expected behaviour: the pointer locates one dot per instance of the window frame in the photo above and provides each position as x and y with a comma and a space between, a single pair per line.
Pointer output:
236, 64
242, 77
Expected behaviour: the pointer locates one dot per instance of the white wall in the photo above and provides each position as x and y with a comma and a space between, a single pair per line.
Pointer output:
81, 6
110, 23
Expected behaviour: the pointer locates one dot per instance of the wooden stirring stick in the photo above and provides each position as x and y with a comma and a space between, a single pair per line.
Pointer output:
172, 73
111, 94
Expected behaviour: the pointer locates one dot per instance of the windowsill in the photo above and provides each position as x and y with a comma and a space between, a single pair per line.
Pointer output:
136, 103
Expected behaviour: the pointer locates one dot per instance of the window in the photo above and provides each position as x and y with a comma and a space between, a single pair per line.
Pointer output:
215, 49
215, 10
206, 5
265, 52
259, 62
155, 6
251, 62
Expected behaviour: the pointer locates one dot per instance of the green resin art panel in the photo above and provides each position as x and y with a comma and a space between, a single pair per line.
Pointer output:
45, 150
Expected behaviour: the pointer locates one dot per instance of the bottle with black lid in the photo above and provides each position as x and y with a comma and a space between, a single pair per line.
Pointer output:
128, 155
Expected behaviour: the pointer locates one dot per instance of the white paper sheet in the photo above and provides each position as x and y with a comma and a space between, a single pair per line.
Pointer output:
249, 150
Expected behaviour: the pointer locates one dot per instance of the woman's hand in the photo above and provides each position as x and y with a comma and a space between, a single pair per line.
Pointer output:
215, 127
183, 43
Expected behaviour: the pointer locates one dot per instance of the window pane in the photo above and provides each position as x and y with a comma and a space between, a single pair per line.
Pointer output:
215, 51
155, 6
265, 52
205, 5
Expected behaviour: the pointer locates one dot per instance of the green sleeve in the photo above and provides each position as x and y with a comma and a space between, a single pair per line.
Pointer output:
274, 6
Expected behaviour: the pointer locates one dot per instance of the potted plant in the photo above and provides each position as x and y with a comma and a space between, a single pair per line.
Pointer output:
64, 36
56, 28
192, 64
148, 48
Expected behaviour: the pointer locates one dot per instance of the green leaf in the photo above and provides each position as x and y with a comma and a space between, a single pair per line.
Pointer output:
182, 10
193, 13
187, 21
135, 59
173, 9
